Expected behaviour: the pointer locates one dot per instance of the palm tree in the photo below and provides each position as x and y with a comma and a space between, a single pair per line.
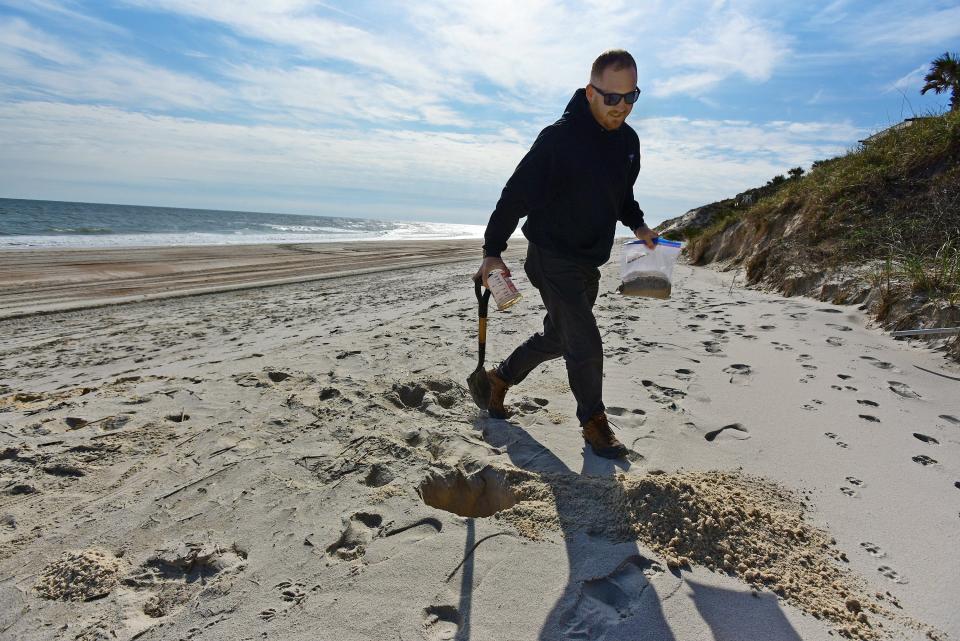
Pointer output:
945, 74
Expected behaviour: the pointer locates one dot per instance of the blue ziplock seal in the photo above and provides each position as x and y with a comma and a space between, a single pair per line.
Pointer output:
657, 241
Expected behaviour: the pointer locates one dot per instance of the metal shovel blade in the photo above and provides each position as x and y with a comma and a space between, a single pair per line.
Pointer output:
479, 386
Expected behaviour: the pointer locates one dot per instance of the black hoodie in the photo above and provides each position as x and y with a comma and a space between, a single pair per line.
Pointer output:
573, 186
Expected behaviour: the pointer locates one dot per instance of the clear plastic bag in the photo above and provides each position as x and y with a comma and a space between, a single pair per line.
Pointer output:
648, 272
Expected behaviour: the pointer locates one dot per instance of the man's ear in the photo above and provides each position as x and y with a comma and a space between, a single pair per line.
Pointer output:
589, 90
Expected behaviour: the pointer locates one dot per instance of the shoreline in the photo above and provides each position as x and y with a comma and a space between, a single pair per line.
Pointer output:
43, 281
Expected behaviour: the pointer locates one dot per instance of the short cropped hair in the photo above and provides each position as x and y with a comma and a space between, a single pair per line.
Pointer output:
616, 58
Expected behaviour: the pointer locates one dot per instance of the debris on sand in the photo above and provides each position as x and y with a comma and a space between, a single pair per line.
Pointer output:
81, 575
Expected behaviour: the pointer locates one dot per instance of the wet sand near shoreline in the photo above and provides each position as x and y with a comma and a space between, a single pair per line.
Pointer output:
303, 461
45, 280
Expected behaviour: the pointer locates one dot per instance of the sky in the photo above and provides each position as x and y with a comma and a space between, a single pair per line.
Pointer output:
420, 110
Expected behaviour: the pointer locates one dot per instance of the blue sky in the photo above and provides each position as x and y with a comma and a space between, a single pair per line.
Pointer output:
420, 110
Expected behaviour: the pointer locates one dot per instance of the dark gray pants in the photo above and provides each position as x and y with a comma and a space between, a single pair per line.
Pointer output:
568, 290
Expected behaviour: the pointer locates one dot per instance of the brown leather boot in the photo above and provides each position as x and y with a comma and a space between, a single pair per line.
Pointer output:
498, 390
600, 438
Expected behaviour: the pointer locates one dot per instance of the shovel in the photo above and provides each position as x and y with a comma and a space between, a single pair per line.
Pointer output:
478, 382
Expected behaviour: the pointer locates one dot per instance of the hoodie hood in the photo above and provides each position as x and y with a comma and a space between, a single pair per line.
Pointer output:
578, 111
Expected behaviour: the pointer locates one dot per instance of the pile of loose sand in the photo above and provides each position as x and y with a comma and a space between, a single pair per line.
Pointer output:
79, 576
728, 522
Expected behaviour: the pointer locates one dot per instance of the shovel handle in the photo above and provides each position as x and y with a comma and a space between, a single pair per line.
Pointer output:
483, 301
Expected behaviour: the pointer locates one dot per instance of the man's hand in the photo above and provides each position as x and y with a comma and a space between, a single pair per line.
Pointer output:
489, 264
647, 235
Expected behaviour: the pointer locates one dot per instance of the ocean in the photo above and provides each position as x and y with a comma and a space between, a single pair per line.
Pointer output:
47, 223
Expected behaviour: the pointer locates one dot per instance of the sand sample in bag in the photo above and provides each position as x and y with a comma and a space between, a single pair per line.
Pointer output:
649, 284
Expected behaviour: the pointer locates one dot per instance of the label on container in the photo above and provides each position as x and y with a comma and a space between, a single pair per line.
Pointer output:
504, 291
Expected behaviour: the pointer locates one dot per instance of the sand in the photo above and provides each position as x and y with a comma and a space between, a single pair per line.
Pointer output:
648, 284
303, 461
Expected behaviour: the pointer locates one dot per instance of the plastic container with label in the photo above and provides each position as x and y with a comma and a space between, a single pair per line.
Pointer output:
648, 272
504, 291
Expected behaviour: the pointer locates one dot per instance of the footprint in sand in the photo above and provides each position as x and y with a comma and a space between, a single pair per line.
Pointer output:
291, 592
712, 347
839, 328
684, 374
606, 601
879, 364
848, 491
379, 475
803, 357
891, 574
808, 366
853, 480
844, 377
867, 417
833, 436
925, 438
864, 401
953, 420
739, 373
873, 550
268, 615
623, 411
359, 530
924, 460
441, 622
836, 341
664, 395
830, 311
736, 431
768, 327
902, 389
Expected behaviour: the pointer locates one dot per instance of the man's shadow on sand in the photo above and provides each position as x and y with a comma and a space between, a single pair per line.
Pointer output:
619, 602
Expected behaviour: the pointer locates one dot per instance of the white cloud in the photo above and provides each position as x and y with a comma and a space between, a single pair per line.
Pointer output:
62, 11
400, 173
298, 25
37, 65
695, 161
729, 44
310, 94
910, 81
920, 25
833, 13
105, 145
332, 102
694, 83
17, 35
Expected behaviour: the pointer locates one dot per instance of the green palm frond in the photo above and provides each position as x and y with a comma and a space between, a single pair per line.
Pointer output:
944, 76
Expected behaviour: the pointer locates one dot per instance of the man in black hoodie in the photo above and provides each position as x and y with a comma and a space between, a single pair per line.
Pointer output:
573, 186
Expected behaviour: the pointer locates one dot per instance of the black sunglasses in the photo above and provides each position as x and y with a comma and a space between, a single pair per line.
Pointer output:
610, 99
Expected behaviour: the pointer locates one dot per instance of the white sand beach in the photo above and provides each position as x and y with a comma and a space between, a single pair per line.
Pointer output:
258, 463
